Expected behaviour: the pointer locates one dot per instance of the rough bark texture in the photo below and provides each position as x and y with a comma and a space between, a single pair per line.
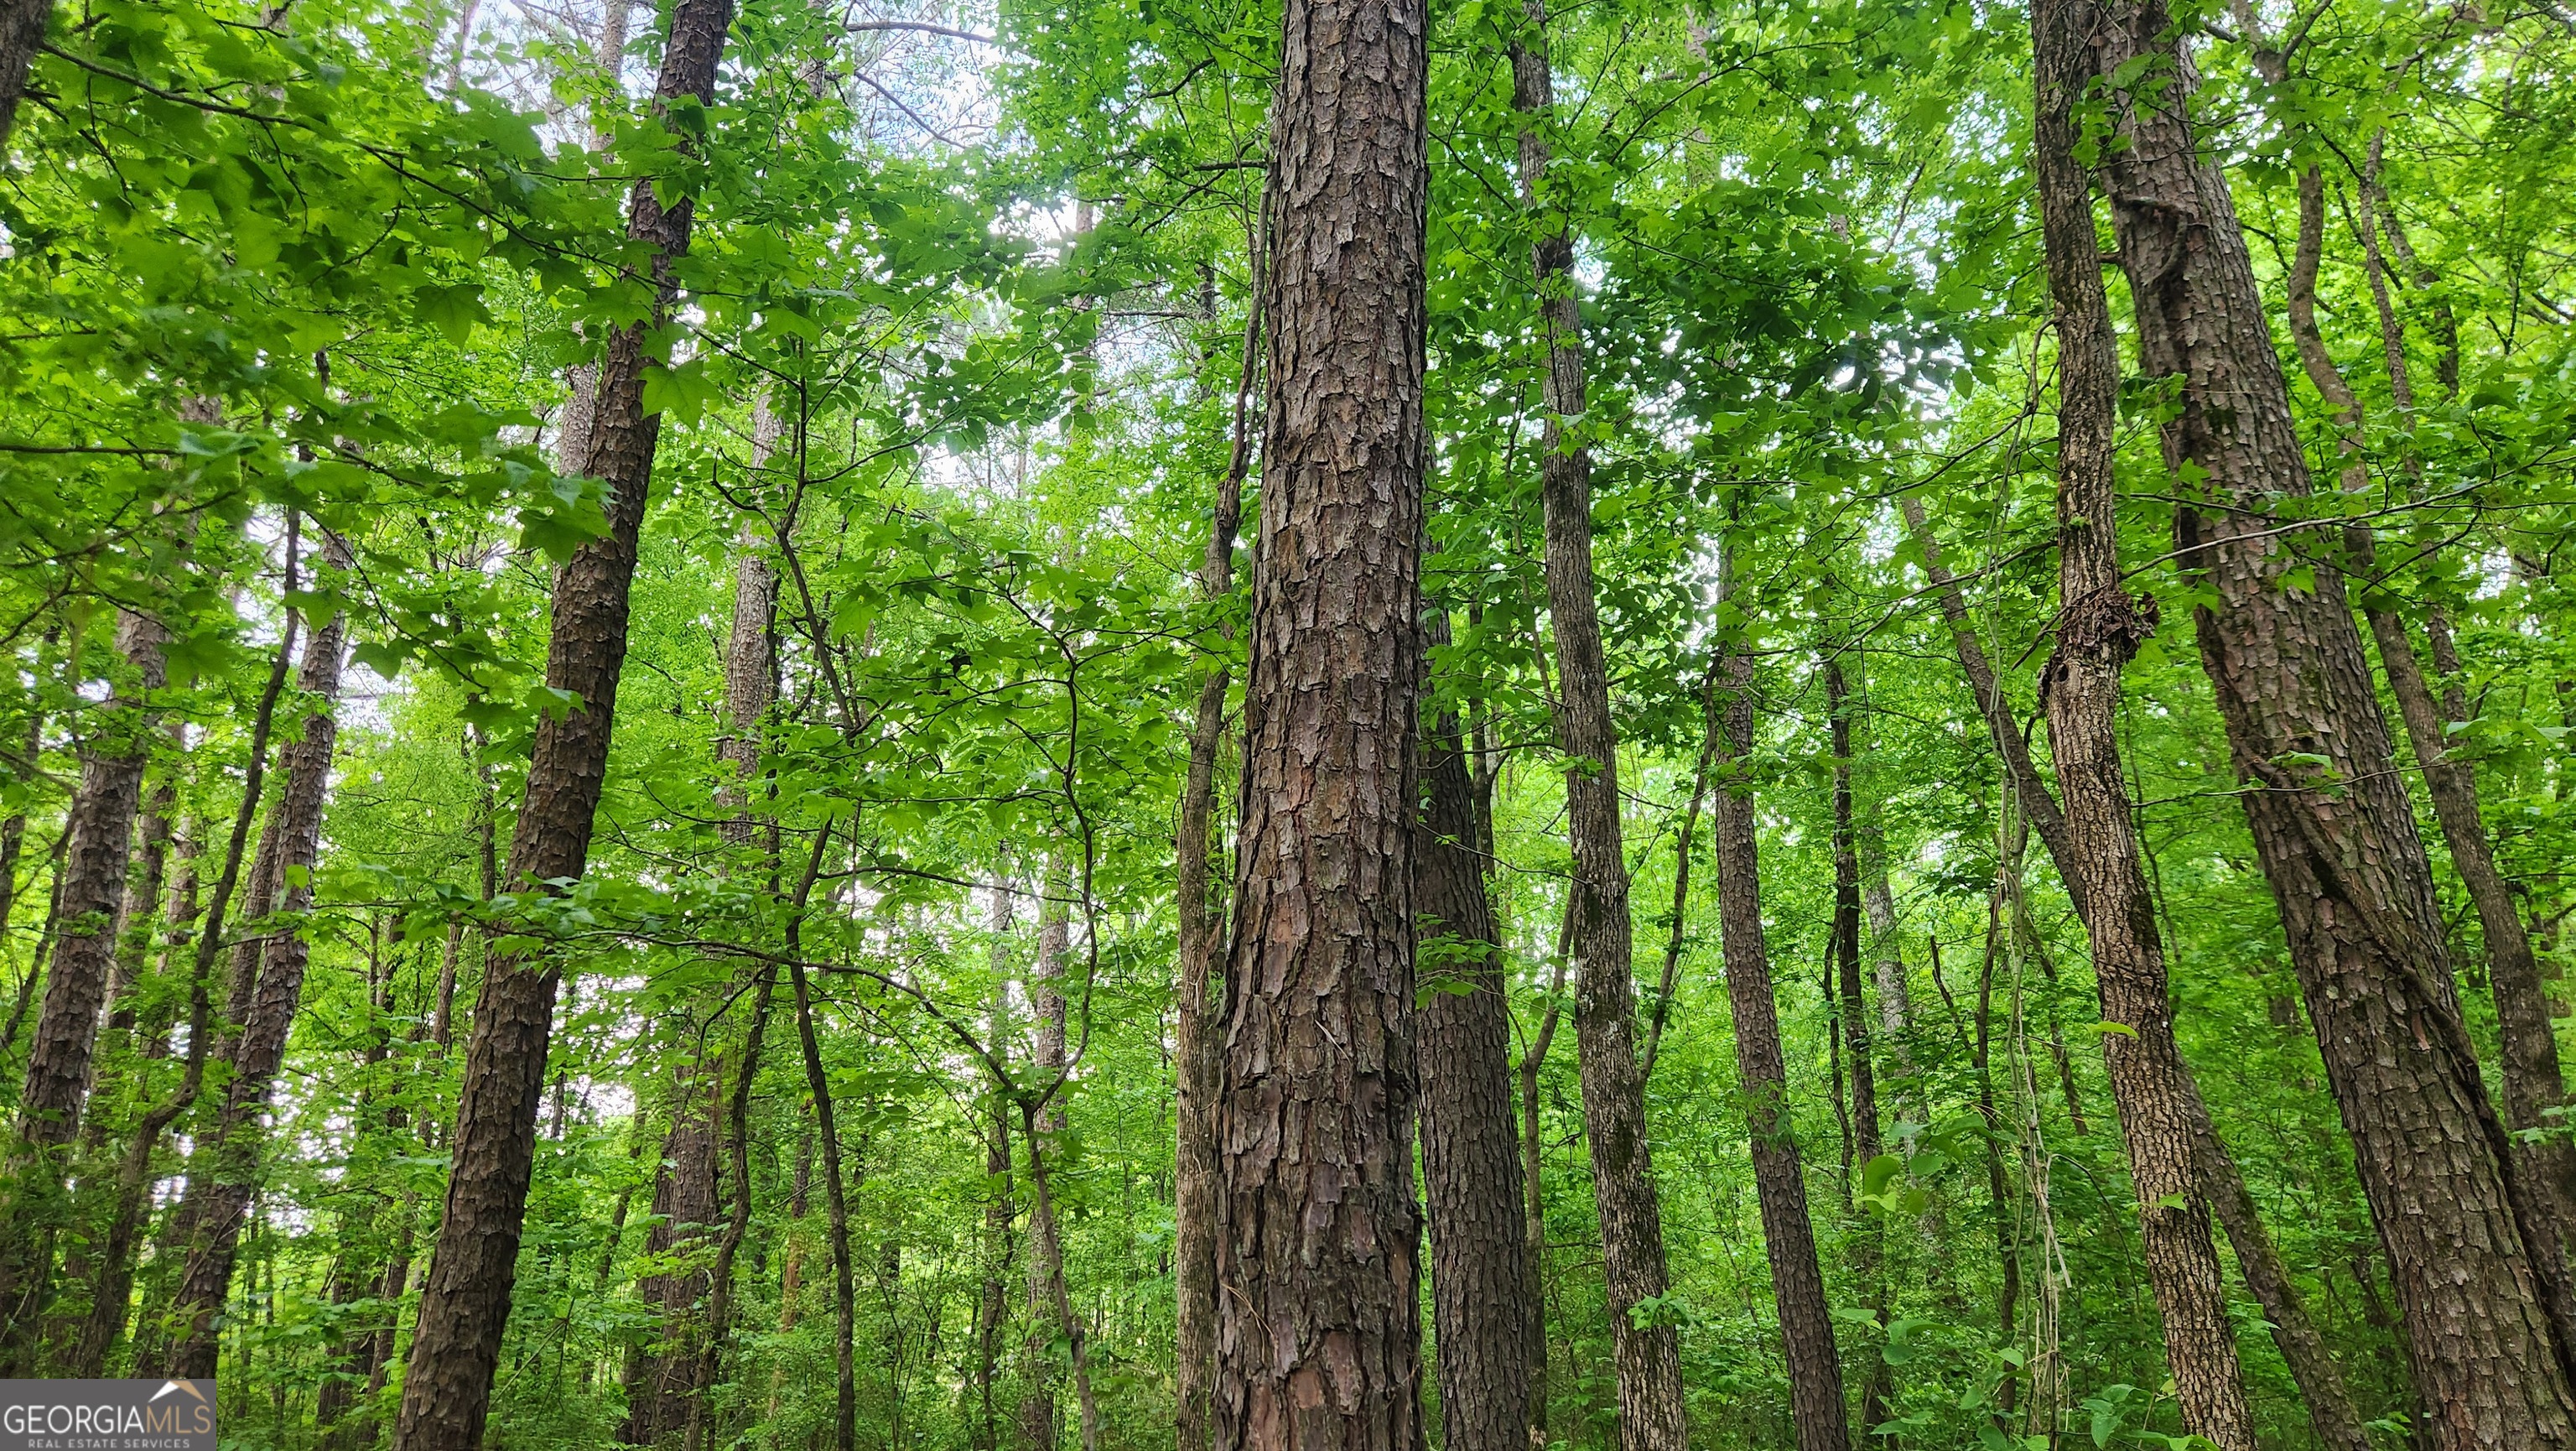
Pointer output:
1198, 1052
90, 884
22, 33
1648, 1356
2098, 628
2478, 1272
661, 1379
1482, 1287
1318, 1235
1797, 1284
237, 1148
466, 1302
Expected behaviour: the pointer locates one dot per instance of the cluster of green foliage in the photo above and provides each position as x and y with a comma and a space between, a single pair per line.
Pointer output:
334, 257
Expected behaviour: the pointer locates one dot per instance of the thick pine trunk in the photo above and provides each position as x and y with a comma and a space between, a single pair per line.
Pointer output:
465, 1306
1647, 1356
1788, 1235
1482, 1288
1318, 1234
2098, 628
237, 1148
2470, 1239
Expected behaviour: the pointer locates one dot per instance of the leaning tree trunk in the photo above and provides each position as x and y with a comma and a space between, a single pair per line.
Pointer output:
1319, 1324
91, 885
1797, 1284
2098, 628
2484, 1287
1645, 1348
466, 1302
2533, 1081
237, 1148
1482, 1288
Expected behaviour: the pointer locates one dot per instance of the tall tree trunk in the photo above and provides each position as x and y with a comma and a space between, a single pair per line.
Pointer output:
661, 1379
701, 1413
2098, 628
836, 1208
1534, 1229
1870, 1246
237, 1149
91, 883
1482, 1288
2487, 1305
1319, 1325
1647, 1355
2533, 1081
1797, 1284
466, 1303
993, 1303
1198, 1051
1042, 1120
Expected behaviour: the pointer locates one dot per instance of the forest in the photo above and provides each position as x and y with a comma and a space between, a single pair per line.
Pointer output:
1292, 725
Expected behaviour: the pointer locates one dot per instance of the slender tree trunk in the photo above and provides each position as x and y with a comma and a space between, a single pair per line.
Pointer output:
2533, 1081
1482, 1287
1198, 1051
2098, 628
237, 1150
91, 883
737, 1221
1797, 1284
1870, 1246
1535, 1229
466, 1304
2037, 807
1050, 1300
1319, 1323
1647, 1355
993, 1303
836, 1208
661, 1379
1677, 935
2485, 1291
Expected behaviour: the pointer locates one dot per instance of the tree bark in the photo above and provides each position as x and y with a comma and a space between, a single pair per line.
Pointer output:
1198, 1051
661, 1380
836, 1209
992, 1303
1318, 1235
1647, 1355
1482, 1288
466, 1304
22, 34
1869, 1246
91, 884
1788, 1235
1042, 1119
2484, 1288
2098, 628
237, 1148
